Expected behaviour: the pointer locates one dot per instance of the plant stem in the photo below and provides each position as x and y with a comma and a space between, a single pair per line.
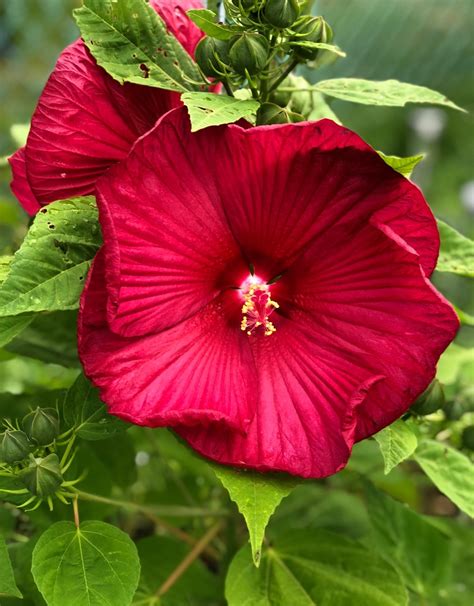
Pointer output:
285, 73
164, 510
189, 559
75, 507
228, 88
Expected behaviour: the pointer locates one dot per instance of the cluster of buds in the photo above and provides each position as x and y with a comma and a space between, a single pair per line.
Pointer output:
28, 458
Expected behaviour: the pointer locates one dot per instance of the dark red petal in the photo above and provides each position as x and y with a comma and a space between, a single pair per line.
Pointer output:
85, 122
20, 185
199, 372
167, 242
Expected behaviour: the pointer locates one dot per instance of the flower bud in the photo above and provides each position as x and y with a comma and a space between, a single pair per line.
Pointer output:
212, 55
270, 113
42, 425
43, 476
249, 53
311, 29
245, 5
431, 400
14, 446
467, 438
281, 13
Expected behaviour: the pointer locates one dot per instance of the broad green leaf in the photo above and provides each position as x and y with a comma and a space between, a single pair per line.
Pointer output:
206, 20
314, 568
11, 326
50, 337
387, 92
208, 109
48, 271
8, 586
159, 556
332, 48
456, 254
96, 564
410, 542
404, 166
450, 471
452, 362
5, 262
257, 496
131, 42
397, 442
84, 410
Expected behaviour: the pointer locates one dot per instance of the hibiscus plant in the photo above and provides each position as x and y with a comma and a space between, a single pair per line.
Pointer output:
257, 333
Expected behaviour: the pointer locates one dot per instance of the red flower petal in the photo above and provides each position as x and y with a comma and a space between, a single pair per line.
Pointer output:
199, 372
20, 185
174, 15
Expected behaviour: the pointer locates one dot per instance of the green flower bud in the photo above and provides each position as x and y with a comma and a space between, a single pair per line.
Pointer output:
431, 400
270, 113
467, 438
281, 13
42, 425
453, 409
43, 476
245, 5
249, 53
311, 29
14, 446
212, 56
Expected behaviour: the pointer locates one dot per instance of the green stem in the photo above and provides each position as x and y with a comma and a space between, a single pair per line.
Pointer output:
70, 444
163, 510
228, 88
285, 73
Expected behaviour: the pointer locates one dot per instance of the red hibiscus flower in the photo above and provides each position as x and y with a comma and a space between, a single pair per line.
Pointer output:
263, 291
85, 121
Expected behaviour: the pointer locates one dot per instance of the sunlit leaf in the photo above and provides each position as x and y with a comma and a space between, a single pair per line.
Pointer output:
207, 109
404, 166
206, 20
397, 442
456, 254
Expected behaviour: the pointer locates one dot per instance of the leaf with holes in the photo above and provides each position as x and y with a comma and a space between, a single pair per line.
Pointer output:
48, 271
386, 92
456, 254
207, 109
404, 166
96, 564
257, 496
397, 442
311, 569
131, 42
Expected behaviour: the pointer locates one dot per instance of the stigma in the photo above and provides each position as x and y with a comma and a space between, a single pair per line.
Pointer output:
258, 307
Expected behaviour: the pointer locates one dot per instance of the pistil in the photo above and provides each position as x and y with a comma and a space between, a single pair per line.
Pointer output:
257, 308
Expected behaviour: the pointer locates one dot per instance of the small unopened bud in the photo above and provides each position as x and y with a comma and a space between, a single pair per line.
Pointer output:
467, 438
212, 56
311, 29
431, 400
245, 5
270, 113
14, 446
249, 53
281, 13
43, 476
42, 425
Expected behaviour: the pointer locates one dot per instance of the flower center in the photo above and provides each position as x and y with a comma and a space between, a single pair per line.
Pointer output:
257, 307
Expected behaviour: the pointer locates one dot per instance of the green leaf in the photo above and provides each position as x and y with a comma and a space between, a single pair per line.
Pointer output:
332, 48
257, 496
49, 270
450, 471
96, 564
397, 442
410, 542
465, 318
19, 134
206, 21
387, 92
208, 109
159, 556
5, 262
456, 254
130, 41
8, 586
452, 362
404, 166
314, 568
321, 109
11, 326
84, 410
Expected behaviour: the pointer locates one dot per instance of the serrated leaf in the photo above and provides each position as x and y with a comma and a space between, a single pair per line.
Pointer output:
386, 92
332, 48
206, 20
312, 568
456, 253
131, 42
207, 109
85, 411
404, 166
48, 271
257, 496
8, 586
410, 542
450, 471
96, 564
397, 442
